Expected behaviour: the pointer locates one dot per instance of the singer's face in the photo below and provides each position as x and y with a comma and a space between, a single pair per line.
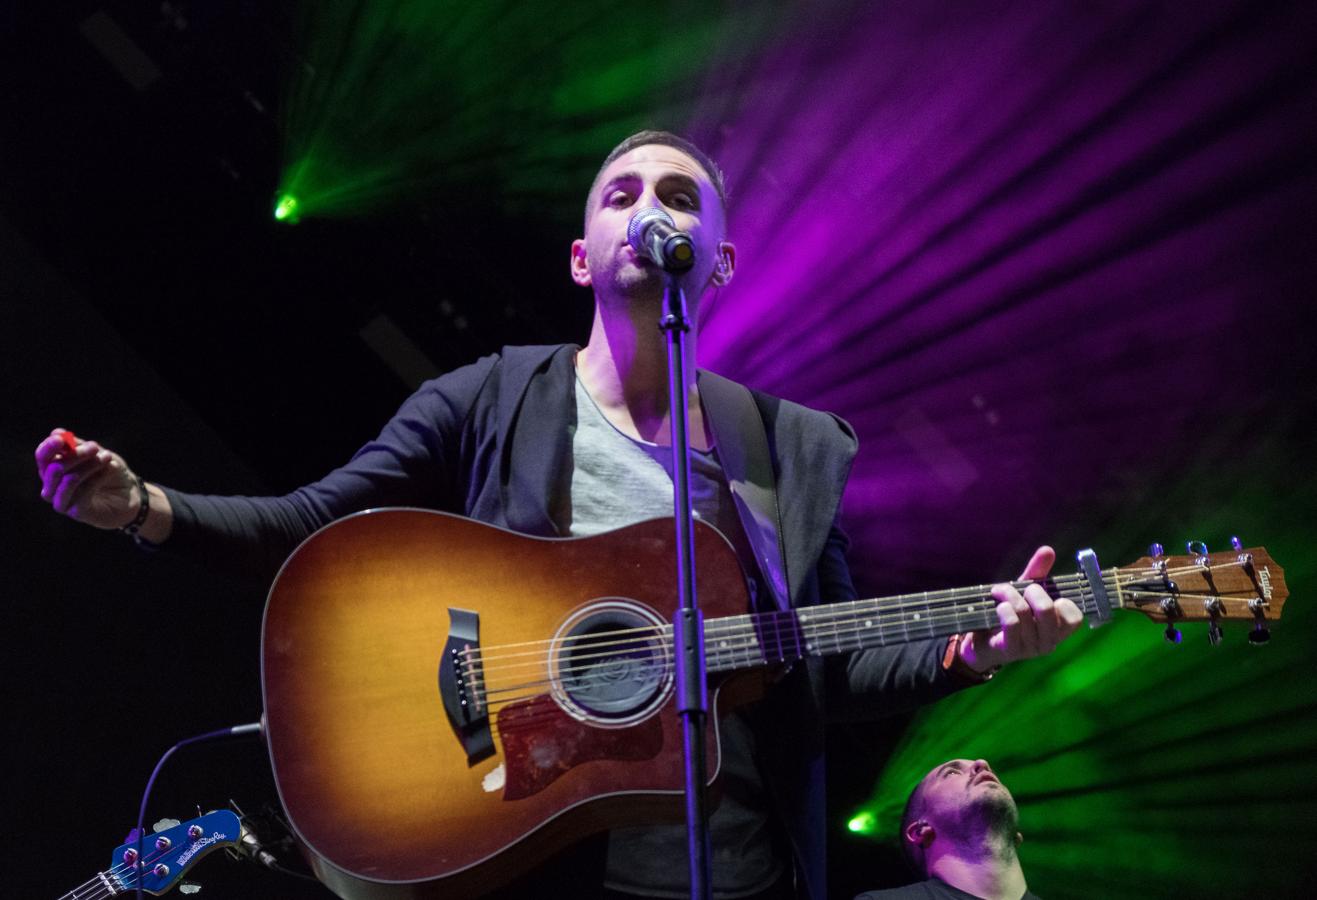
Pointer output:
652, 175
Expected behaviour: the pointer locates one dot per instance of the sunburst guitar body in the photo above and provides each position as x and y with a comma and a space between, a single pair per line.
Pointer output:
395, 793
448, 703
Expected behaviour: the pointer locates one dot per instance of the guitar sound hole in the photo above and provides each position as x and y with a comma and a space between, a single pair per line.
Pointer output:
611, 664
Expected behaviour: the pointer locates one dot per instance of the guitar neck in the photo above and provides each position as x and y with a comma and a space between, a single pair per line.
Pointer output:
1241, 584
739, 642
103, 884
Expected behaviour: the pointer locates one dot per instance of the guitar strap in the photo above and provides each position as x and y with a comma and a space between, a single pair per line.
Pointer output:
742, 443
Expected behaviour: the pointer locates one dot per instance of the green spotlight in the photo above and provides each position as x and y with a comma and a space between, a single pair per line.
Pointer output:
863, 823
286, 209
371, 122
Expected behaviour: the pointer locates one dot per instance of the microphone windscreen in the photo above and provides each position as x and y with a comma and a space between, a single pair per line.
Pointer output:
635, 230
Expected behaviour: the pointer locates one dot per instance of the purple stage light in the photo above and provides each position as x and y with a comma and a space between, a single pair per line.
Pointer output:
1027, 250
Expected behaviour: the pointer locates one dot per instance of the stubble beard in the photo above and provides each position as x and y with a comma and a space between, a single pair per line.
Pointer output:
999, 820
636, 291
632, 284
989, 822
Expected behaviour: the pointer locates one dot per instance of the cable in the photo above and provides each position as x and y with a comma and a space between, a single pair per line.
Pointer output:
249, 728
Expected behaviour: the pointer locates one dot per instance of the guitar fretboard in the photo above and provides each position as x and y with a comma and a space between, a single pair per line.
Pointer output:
739, 642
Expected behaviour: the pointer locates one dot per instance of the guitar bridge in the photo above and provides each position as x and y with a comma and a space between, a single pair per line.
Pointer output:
462, 686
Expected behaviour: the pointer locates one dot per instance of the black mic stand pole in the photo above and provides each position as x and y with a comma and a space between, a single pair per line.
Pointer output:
688, 625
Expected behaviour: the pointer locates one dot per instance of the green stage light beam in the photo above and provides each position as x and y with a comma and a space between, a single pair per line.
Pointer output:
506, 104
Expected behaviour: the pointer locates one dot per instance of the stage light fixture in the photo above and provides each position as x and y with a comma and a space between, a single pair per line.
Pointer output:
286, 209
863, 823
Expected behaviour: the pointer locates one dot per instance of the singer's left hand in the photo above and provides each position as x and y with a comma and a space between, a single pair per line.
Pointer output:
1031, 623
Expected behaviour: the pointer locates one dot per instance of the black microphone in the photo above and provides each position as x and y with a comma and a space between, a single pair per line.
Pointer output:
654, 235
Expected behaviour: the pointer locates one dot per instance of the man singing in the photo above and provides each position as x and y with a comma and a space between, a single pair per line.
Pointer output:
568, 441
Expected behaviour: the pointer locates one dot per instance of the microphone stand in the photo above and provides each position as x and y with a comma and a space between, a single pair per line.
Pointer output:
688, 624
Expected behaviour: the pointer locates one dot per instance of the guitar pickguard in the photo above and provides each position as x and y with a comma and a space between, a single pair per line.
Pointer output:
541, 743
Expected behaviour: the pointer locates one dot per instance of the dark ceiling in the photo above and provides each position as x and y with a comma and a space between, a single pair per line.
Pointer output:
155, 203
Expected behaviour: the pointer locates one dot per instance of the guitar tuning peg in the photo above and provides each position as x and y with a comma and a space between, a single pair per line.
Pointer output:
1260, 633
1215, 609
1236, 543
1199, 550
1156, 550
1173, 635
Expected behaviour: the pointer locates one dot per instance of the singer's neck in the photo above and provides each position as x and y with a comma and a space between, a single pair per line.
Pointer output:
625, 368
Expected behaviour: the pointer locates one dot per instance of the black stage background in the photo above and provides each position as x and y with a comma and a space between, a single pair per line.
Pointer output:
150, 301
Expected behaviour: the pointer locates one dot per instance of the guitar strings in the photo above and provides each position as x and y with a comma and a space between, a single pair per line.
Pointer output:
782, 627
749, 648
1122, 581
819, 615
886, 607
1206, 598
745, 633
748, 645
889, 605
116, 872
88, 885
754, 648
844, 624
746, 629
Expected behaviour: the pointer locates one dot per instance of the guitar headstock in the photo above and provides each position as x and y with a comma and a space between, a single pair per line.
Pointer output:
1242, 584
167, 854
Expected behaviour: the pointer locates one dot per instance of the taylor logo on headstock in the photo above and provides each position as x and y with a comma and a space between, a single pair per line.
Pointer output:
1264, 576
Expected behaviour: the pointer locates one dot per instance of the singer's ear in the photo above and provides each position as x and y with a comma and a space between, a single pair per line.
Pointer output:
726, 266
580, 269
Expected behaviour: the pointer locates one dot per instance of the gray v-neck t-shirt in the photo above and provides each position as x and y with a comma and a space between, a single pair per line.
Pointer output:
618, 481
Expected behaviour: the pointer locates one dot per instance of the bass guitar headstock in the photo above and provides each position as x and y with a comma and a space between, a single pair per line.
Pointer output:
1243, 584
167, 854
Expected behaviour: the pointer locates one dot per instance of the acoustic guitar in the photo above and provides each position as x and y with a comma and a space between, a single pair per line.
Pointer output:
447, 703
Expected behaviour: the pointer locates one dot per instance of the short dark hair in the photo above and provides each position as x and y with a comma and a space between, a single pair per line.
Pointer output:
667, 138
